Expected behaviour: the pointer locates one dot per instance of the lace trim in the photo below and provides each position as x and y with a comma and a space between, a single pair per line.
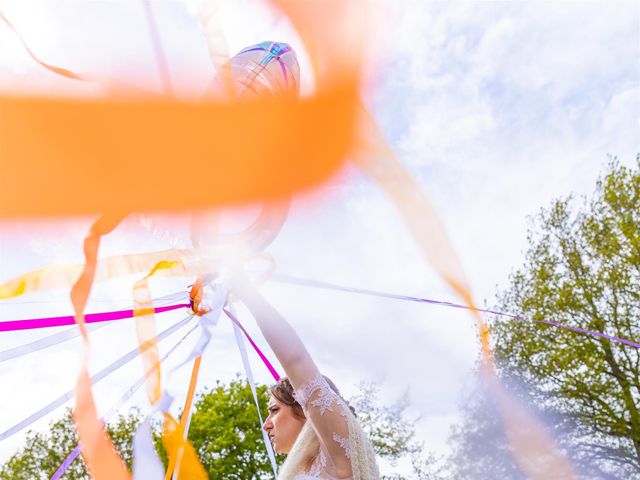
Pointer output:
344, 443
315, 470
323, 459
318, 465
326, 396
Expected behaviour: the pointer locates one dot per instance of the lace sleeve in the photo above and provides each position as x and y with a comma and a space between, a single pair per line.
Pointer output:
328, 414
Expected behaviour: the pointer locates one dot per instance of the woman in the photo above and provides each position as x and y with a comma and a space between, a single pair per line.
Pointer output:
308, 419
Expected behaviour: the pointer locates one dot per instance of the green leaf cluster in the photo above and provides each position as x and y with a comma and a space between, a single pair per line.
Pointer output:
582, 270
224, 430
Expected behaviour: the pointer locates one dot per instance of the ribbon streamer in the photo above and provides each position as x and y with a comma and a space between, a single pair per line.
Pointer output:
377, 159
146, 329
126, 396
57, 70
262, 356
46, 342
247, 368
147, 465
61, 276
330, 286
179, 451
95, 379
173, 439
158, 50
14, 325
185, 421
189, 262
69, 334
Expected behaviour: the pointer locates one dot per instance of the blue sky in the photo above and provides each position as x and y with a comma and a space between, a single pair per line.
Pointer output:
495, 107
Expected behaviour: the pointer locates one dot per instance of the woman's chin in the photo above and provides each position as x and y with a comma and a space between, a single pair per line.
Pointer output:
281, 451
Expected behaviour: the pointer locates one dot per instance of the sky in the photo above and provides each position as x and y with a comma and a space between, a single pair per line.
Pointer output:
496, 108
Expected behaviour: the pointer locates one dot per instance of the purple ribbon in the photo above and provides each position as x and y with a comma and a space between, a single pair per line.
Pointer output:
67, 463
591, 332
329, 286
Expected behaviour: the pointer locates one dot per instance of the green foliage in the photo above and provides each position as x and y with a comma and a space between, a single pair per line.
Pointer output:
390, 432
43, 453
225, 431
582, 270
122, 430
480, 448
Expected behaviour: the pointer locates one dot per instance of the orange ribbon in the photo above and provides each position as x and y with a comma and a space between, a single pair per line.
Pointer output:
533, 446
176, 460
100, 456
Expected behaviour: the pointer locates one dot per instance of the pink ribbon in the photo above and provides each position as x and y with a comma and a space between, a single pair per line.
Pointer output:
46, 322
262, 356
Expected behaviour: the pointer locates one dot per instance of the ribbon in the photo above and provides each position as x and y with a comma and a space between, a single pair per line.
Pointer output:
13, 325
262, 356
330, 286
61, 276
146, 329
128, 394
51, 138
173, 439
157, 47
185, 421
180, 452
95, 379
46, 342
57, 70
208, 13
377, 159
247, 368
60, 337
147, 465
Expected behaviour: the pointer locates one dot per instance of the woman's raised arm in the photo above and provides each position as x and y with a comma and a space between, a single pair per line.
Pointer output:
282, 338
323, 407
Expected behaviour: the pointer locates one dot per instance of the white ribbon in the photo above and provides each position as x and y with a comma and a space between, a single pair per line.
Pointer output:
249, 372
145, 455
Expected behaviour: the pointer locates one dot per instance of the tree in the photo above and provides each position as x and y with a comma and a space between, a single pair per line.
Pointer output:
224, 430
582, 270
43, 453
479, 446
392, 433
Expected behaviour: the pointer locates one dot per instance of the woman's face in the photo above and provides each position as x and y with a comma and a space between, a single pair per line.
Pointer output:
282, 425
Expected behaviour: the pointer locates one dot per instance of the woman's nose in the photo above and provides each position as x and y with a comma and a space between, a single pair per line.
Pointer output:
267, 425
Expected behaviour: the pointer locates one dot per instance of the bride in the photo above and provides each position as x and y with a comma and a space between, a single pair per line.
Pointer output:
308, 419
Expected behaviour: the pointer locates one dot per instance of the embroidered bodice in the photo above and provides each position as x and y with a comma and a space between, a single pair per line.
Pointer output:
328, 414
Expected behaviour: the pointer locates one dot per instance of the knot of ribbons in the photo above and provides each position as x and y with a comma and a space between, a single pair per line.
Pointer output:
195, 298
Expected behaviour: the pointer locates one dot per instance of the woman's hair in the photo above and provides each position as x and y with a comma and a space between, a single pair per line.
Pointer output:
283, 392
